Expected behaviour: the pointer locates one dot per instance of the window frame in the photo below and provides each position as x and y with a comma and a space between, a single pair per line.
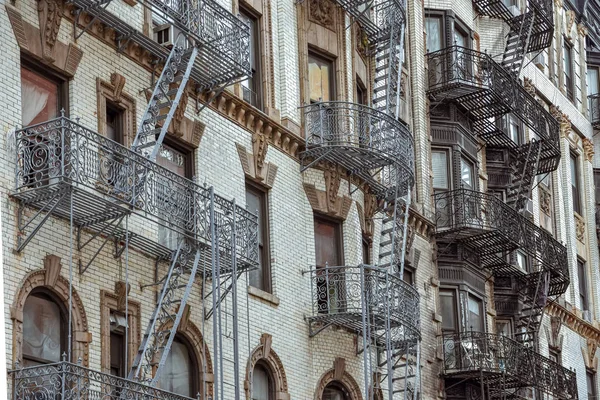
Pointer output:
187, 151
449, 174
436, 14
509, 322
120, 134
455, 297
196, 384
575, 189
256, 84
467, 161
481, 302
582, 277
569, 77
50, 74
591, 375
326, 59
270, 380
339, 232
263, 195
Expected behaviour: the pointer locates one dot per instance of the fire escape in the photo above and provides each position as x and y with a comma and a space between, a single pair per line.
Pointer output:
119, 196
490, 93
376, 147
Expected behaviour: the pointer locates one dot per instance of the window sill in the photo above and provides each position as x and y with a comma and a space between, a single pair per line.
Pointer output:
262, 295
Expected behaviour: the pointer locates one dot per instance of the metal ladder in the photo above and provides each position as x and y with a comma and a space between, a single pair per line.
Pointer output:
535, 297
517, 42
165, 98
525, 169
160, 333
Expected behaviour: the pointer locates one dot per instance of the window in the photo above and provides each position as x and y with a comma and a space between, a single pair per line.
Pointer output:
180, 370
439, 162
321, 78
251, 88
115, 117
466, 174
575, 183
328, 249
366, 250
590, 377
433, 27
44, 330
408, 276
554, 355
583, 292
522, 261
334, 392
514, 130
448, 309
504, 327
361, 93
262, 384
568, 69
593, 87
117, 344
256, 202
476, 316
42, 96
461, 39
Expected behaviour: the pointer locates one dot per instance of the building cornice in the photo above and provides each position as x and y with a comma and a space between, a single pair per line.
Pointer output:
572, 321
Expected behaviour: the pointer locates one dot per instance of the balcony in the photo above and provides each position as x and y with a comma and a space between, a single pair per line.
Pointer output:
491, 229
504, 363
64, 380
64, 169
486, 91
594, 104
342, 296
376, 21
223, 40
363, 140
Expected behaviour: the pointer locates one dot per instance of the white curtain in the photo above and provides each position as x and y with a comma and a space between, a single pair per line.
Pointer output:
34, 100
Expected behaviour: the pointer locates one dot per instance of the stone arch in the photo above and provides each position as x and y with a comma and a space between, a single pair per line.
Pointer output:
49, 279
344, 379
263, 353
194, 337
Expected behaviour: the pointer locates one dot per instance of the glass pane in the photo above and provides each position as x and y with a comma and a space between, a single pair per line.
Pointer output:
567, 60
333, 394
255, 205
460, 39
117, 354
503, 328
515, 131
439, 162
593, 81
448, 309
320, 78
466, 173
172, 160
434, 33
475, 314
41, 329
39, 98
260, 384
327, 243
522, 261
176, 375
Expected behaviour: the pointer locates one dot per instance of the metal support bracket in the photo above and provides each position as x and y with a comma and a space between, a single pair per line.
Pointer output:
113, 226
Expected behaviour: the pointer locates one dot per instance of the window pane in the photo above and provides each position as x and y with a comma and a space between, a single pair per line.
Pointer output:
433, 25
333, 394
177, 373
171, 159
475, 314
320, 77
515, 130
117, 354
460, 39
504, 328
255, 202
260, 384
41, 329
466, 173
327, 243
448, 309
439, 162
39, 98
575, 184
582, 278
593, 81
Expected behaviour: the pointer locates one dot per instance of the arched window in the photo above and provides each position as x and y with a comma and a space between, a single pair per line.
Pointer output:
180, 372
44, 329
334, 391
262, 383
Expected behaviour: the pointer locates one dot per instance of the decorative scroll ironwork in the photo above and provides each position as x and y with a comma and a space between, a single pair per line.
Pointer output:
594, 104
64, 380
490, 356
490, 227
61, 152
375, 17
340, 293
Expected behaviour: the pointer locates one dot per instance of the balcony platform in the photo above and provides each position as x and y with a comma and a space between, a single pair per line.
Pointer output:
376, 21
68, 171
594, 101
504, 363
368, 143
490, 227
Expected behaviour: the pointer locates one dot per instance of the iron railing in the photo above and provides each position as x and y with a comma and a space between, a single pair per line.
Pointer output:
484, 354
489, 226
340, 295
594, 104
65, 380
377, 19
61, 152
360, 138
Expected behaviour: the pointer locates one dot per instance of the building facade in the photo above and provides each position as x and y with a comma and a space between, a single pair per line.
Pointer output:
317, 199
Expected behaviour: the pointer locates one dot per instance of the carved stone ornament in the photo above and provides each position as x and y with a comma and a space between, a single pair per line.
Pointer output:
333, 180
348, 384
362, 42
370, 209
118, 82
257, 170
555, 325
580, 228
588, 149
265, 354
50, 13
545, 200
325, 201
570, 21
122, 290
322, 12
529, 86
592, 361
558, 3
582, 30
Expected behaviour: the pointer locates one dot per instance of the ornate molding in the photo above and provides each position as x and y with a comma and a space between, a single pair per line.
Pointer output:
588, 149
580, 228
570, 22
50, 13
265, 175
264, 353
582, 30
37, 279
335, 374
563, 120
591, 361
112, 90
328, 201
322, 12
573, 322
529, 86
545, 200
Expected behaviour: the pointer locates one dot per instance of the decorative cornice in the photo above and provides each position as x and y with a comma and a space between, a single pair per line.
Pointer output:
588, 149
582, 30
573, 322
50, 13
327, 201
265, 175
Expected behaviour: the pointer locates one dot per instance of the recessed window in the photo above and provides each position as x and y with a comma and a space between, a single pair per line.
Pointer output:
408, 276
180, 372
433, 26
440, 166
475, 307
366, 250
461, 39
575, 191
256, 202
41, 97
328, 251
334, 391
44, 330
568, 70
504, 327
321, 78
262, 383
466, 174
583, 291
590, 378
522, 261
554, 355
514, 130
361, 93
115, 118
448, 310
118, 324
251, 88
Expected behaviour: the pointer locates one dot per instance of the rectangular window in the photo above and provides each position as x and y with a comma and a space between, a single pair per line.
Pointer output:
504, 327
251, 88
575, 183
256, 202
448, 309
568, 69
42, 96
514, 130
433, 27
461, 39
328, 251
408, 276
115, 117
593, 88
366, 250
440, 166
117, 344
590, 377
361, 93
522, 261
321, 78
476, 316
554, 356
466, 174
583, 291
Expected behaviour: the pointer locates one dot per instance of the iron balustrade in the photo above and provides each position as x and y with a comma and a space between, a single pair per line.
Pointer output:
504, 362
342, 295
61, 153
486, 91
65, 380
489, 226
594, 105
377, 19
362, 139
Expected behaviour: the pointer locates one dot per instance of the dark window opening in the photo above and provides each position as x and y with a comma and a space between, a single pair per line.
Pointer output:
180, 372
568, 69
256, 202
252, 87
262, 383
583, 291
328, 249
321, 78
448, 310
575, 191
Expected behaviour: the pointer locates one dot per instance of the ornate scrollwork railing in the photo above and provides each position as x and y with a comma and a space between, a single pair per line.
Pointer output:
357, 128
471, 214
63, 152
64, 380
340, 293
377, 20
476, 352
594, 104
